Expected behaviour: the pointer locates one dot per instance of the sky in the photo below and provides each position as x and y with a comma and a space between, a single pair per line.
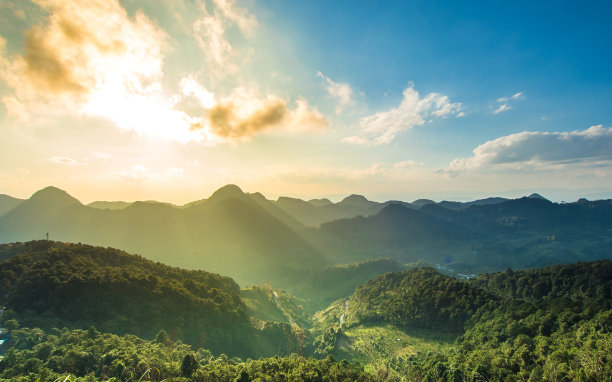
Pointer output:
171, 99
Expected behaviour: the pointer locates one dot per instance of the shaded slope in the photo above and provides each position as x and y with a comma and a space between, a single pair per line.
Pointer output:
520, 233
397, 232
7, 203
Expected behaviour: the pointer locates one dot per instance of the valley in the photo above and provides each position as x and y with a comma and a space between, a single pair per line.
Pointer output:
381, 292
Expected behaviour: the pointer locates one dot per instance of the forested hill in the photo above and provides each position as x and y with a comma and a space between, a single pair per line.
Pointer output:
580, 280
420, 297
543, 324
48, 284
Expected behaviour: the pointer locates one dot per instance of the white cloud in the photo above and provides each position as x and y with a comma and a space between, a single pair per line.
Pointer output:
518, 95
502, 107
92, 59
190, 87
342, 92
209, 31
533, 150
505, 102
382, 127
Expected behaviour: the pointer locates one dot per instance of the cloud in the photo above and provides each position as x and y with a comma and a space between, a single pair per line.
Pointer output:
89, 58
342, 92
63, 160
502, 107
518, 95
381, 128
243, 114
226, 121
533, 150
504, 102
209, 31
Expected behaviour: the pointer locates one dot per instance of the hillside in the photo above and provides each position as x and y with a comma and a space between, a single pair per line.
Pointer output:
417, 324
48, 284
417, 298
7, 203
506, 326
397, 232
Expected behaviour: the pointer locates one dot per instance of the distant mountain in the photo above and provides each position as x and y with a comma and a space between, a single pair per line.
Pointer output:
101, 205
479, 202
519, 233
536, 196
254, 240
320, 202
397, 232
313, 214
7, 203
421, 202
231, 232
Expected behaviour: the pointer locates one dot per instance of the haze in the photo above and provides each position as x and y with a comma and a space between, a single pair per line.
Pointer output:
170, 100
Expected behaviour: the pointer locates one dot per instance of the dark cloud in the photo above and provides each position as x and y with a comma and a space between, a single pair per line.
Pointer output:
225, 121
46, 68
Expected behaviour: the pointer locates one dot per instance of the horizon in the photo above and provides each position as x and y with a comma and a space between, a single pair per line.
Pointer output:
334, 198
167, 101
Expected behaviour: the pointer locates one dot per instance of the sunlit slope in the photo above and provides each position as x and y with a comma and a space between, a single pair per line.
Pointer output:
49, 284
417, 298
229, 233
538, 324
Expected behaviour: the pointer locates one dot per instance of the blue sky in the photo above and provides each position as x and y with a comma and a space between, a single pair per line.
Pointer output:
393, 100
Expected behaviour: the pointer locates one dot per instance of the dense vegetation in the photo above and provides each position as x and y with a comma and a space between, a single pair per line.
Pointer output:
319, 287
126, 318
420, 297
586, 280
91, 356
548, 324
59, 284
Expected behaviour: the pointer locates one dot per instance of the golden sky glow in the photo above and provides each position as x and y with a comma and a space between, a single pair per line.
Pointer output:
170, 100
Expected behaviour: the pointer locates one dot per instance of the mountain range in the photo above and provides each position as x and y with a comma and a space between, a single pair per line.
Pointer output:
253, 239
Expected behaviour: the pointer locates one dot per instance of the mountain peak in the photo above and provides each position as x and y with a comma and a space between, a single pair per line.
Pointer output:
422, 202
355, 199
53, 195
226, 192
536, 196
320, 202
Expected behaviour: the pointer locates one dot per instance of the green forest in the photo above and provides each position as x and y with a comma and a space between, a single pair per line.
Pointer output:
80, 312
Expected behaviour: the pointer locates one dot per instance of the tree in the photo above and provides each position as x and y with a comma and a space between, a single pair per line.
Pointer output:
189, 365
